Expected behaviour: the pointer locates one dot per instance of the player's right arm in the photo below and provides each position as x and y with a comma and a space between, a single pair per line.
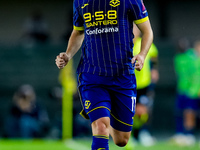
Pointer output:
74, 44
147, 38
76, 38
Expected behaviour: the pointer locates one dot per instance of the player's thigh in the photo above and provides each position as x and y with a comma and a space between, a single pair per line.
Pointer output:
95, 99
123, 101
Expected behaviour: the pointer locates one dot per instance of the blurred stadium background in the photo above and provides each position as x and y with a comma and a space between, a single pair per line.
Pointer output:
23, 61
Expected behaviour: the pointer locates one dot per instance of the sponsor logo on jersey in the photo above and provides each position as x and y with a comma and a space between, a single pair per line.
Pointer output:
99, 23
100, 148
87, 104
114, 3
100, 18
102, 30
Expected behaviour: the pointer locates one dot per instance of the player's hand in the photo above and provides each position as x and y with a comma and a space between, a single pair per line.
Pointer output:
61, 60
139, 61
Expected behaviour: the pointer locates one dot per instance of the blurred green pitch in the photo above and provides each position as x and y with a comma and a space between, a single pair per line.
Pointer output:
78, 144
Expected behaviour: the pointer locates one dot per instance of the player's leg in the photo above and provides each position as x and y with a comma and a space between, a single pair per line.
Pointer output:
100, 131
189, 120
184, 121
123, 102
101, 126
121, 125
180, 104
96, 103
99, 116
189, 115
120, 138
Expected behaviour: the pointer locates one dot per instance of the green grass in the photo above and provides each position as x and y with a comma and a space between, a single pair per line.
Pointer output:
78, 144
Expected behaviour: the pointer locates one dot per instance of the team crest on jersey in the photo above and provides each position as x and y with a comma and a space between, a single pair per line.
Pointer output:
84, 6
87, 104
114, 3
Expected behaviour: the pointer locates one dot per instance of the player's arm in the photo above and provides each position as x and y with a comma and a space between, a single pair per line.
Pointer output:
147, 39
74, 44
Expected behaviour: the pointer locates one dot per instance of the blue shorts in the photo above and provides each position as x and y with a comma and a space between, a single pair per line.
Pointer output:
184, 102
107, 96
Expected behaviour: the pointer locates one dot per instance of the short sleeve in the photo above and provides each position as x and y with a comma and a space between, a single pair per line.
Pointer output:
138, 11
77, 18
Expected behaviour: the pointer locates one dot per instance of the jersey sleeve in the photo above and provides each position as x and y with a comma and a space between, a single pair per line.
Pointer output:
77, 18
138, 11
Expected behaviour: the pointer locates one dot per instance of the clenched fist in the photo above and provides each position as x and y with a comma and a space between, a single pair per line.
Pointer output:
61, 60
139, 61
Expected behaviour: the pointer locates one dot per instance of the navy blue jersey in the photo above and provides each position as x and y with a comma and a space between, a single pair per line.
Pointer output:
108, 28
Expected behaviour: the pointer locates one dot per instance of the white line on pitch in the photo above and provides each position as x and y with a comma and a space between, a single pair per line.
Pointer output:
75, 145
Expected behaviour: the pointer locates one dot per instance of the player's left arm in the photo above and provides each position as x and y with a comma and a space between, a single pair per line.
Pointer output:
147, 39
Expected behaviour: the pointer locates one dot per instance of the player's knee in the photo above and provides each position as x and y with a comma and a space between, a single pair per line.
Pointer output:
101, 126
121, 142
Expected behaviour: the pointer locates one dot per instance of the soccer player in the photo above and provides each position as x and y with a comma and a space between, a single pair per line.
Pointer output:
187, 66
106, 77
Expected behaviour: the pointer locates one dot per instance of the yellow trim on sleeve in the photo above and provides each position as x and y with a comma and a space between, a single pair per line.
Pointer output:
141, 20
98, 108
79, 28
121, 121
